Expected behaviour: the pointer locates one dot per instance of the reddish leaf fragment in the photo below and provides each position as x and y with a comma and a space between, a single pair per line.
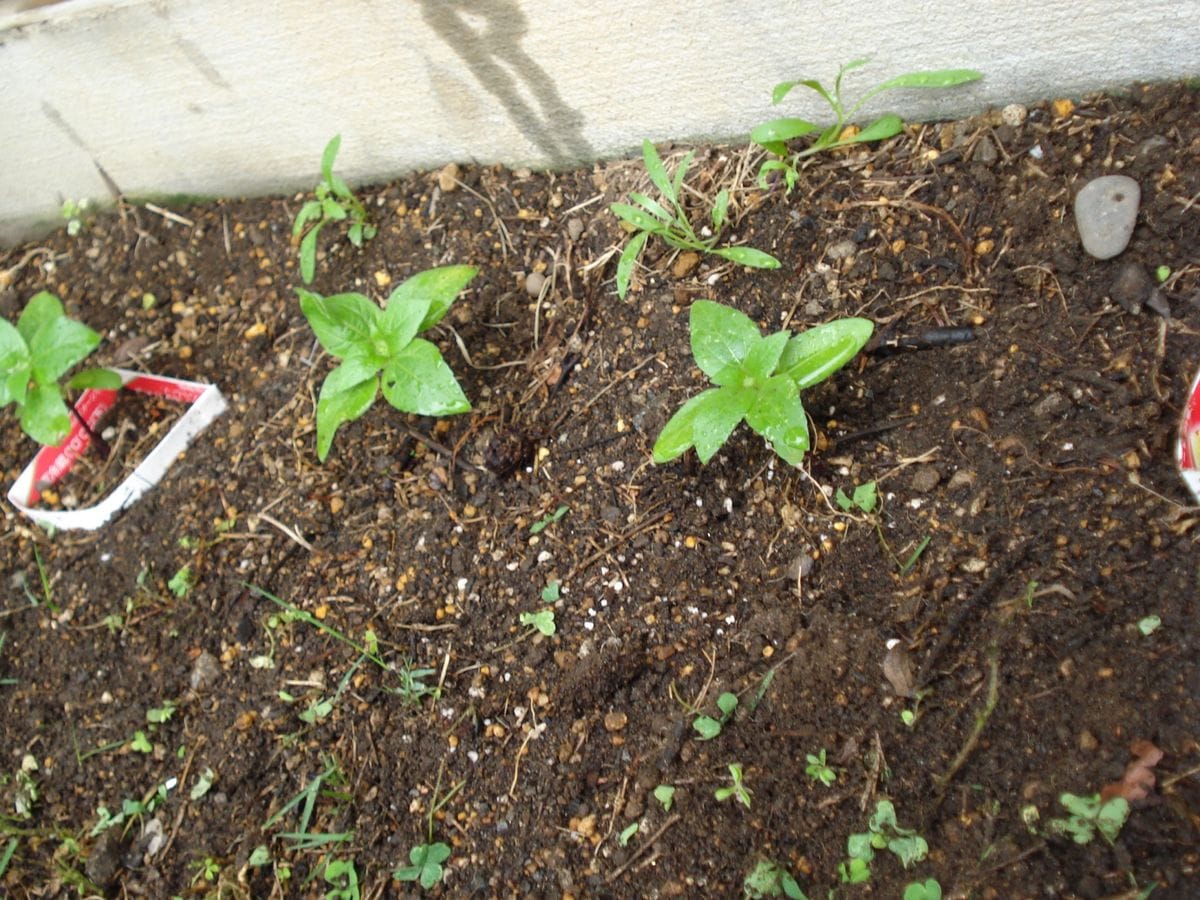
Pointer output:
1138, 780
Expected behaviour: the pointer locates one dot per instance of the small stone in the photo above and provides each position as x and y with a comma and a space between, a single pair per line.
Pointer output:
1013, 115
1087, 741
533, 283
615, 721
1131, 287
1157, 301
574, 228
984, 152
1051, 405
1062, 107
684, 263
205, 672
1105, 212
841, 250
448, 178
925, 479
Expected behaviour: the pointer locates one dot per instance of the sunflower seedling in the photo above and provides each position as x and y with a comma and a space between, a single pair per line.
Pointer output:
34, 355
736, 788
334, 202
669, 221
379, 348
708, 727
758, 379
774, 135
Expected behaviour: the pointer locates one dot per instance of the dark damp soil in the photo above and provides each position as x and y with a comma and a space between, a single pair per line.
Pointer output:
1033, 465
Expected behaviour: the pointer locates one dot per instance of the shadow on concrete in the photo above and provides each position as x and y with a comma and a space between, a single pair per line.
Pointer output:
494, 56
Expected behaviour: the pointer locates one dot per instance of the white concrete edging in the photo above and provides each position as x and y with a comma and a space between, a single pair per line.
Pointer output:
223, 97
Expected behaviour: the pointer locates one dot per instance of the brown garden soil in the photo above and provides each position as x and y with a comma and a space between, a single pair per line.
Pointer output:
1037, 461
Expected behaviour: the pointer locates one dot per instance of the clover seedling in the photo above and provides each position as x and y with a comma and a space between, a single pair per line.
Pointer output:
669, 221
774, 135
335, 203
817, 770
34, 355
884, 832
736, 789
929, 889
1088, 816
758, 379
373, 342
542, 620
769, 879
707, 726
426, 868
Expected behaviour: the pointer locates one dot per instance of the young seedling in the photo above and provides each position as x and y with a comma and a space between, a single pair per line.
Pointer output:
207, 869
883, 832
34, 355
627, 834
76, 215
669, 221
342, 878
758, 379
379, 348
334, 202
541, 621
329, 782
665, 794
929, 889
774, 135
1090, 816
181, 582
866, 500
736, 789
769, 879
547, 520
708, 727
426, 859
817, 770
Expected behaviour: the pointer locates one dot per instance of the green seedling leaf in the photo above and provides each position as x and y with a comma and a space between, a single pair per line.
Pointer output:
629, 256
308, 254
653, 207
16, 367
909, 849
814, 355
638, 218
328, 156
551, 592
100, 379
440, 287
865, 498
722, 337
781, 90
769, 879
203, 784
44, 416
748, 256
940, 78
656, 170
773, 135
542, 620
426, 868
161, 714
261, 856
181, 582
665, 794
141, 743
345, 324
1149, 625
727, 703
628, 832
707, 727
417, 380
346, 394
720, 210
929, 889
884, 127
541, 524
1162, 273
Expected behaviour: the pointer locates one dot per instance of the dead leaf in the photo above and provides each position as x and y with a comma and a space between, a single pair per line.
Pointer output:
1138, 780
898, 670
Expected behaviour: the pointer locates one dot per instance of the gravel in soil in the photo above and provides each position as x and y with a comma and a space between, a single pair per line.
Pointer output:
349, 638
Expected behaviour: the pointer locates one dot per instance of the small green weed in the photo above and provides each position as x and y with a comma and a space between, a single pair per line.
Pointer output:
34, 355
669, 221
329, 783
412, 688
1148, 625
342, 878
161, 714
140, 743
769, 879
708, 727
44, 583
929, 889
426, 859
866, 500
334, 202
379, 349
737, 789
774, 135
758, 379
542, 621
665, 794
817, 770
207, 869
1090, 816
884, 832
541, 524
627, 834
1162, 273
76, 215
181, 582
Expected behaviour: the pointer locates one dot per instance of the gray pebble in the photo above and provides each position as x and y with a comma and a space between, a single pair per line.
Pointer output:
925, 479
574, 228
841, 249
1131, 287
984, 152
1157, 301
533, 283
1105, 213
205, 672
1052, 404
1013, 115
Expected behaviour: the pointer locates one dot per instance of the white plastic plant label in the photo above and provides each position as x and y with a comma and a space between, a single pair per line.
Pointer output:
205, 403
1188, 452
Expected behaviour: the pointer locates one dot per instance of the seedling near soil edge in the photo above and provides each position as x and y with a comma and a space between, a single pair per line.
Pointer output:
774, 135
371, 342
669, 221
758, 379
736, 788
34, 355
335, 203
427, 858
708, 727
